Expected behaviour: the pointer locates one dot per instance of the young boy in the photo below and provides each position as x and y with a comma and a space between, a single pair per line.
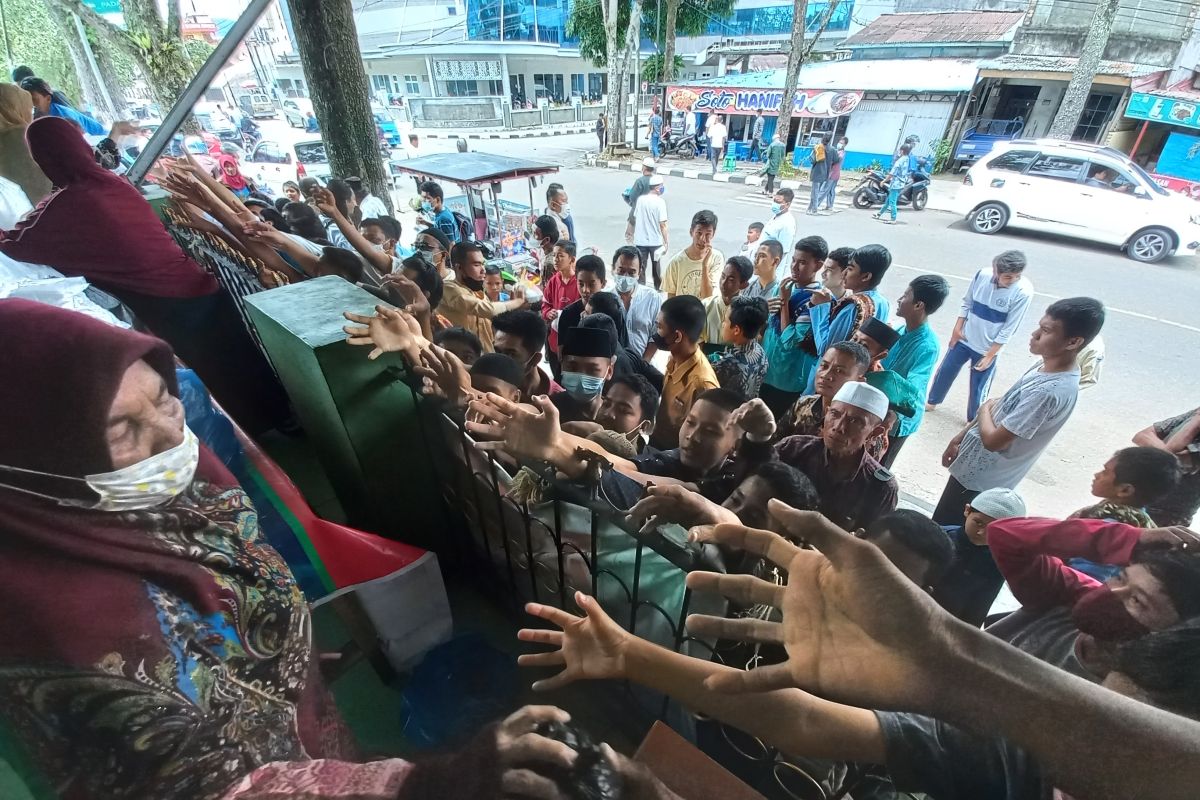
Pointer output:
680, 321
878, 337
788, 365
1132, 479
970, 587
742, 367
915, 353
753, 235
992, 309
462, 342
558, 292
763, 283
838, 322
590, 274
735, 277
693, 268
493, 284
897, 179
1000, 447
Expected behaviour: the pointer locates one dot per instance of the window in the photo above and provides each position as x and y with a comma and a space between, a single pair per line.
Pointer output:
1103, 176
1058, 167
269, 153
1013, 160
551, 82
451, 11
1096, 113
461, 88
495, 87
311, 153
577, 86
597, 84
379, 83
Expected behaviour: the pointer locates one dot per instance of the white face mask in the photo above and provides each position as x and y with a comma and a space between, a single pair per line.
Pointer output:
379, 248
626, 283
152, 482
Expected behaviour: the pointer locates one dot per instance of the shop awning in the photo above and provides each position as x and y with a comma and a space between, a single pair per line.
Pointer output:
830, 88
1060, 68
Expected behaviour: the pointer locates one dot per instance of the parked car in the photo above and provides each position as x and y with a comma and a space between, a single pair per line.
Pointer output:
295, 109
257, 105
1079, 190
216, 122
311, 160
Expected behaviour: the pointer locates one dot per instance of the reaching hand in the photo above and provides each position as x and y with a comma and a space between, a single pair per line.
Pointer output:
519, 430
325, 201
409, 294
676, 504
591, 647
446, 373
389, 331
855, 629
521, 750
264, 231
755, 419
1175, 537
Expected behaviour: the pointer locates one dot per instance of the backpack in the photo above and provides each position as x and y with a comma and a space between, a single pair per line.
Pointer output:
466, 231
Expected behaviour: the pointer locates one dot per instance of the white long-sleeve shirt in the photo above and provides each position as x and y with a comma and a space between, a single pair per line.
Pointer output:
993, 313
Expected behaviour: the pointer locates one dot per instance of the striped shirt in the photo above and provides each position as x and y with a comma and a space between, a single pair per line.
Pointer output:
992, 312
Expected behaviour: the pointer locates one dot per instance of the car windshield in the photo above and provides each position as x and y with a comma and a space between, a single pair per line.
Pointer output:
311, 153
1153, 184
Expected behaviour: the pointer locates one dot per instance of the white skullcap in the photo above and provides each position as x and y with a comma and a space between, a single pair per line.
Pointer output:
656, 180
861, 395
648, 163
999, 503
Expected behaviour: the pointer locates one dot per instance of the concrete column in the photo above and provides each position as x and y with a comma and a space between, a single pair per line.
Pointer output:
433, 90
507, 92
721, 65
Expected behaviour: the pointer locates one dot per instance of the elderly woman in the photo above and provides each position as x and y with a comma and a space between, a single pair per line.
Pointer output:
154, 645
96, 224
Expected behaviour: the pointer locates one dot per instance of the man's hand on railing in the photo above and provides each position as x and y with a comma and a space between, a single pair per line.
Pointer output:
444, 376
663, 504
855, 629
591, 647
519, 430
756, 420
389, 331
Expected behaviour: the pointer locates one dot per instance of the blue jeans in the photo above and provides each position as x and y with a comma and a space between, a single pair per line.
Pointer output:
829, 192
815, 195
655, 146
715, 153
889, 205
951, 365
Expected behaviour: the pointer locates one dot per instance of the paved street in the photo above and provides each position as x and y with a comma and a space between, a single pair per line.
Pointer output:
1152, 333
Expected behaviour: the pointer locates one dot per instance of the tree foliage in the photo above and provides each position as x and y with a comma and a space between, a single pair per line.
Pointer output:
652, 67
38, 43
692, 18
586, 22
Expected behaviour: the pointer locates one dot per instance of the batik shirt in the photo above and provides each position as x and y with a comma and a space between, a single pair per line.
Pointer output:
742, 369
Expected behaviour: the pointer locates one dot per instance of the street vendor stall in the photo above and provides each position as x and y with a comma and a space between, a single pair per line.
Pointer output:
1168, 139
501, 223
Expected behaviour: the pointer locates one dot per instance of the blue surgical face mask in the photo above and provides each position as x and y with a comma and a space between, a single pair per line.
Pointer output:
626, 283
776, 208
582, 388
426, 206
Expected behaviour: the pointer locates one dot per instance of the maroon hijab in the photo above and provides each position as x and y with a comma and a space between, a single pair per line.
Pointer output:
96, 224
169, 642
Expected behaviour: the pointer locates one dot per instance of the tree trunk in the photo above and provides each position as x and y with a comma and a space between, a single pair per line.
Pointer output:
108, 74
1076, 95
616, 122
628, 62
89, 89
668, 51
327, 42
796, 54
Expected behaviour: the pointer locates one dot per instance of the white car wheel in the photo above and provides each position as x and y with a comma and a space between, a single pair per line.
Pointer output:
1150, 245
989, 218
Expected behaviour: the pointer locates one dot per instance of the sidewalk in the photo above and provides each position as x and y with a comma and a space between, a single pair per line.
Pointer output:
506, 133
748, 174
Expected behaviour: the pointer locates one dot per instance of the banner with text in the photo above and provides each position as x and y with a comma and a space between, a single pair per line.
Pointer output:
731, 100
1157, 108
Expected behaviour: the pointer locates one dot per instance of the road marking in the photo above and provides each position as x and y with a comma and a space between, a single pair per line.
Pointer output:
1053, 297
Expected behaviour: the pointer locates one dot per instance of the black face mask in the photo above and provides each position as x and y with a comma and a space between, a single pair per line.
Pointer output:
660, 342
471, 283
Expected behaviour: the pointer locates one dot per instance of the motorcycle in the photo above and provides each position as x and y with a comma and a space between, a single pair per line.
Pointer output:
872, 191
683, 146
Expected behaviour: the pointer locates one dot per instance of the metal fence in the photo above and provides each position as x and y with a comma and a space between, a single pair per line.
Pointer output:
572, 539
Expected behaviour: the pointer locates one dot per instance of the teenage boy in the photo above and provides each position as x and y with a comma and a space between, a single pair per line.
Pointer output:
694, 269
753, 237
782, 228
434, 213
916, 351
521, 335
788, 363
763, 284
640, 301
587, 362
648, 231
590, 275
837, 323
680, 322
464, 344
735, 277
897, 179
1001, 445
969, 588
559, 291
992, 309
878, 338
742, 368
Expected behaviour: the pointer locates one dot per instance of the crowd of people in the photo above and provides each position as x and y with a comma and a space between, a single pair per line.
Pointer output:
156, 646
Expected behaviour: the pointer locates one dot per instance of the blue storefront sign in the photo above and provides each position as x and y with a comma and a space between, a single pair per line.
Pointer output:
1157, 108
104, 6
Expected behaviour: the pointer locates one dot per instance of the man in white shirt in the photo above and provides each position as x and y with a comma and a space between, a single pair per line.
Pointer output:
370, 206
649, 234
717, 134
782, 228
641, 302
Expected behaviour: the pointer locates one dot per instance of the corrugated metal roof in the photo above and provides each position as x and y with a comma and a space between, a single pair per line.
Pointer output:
883, 75
942, 28
1018, 62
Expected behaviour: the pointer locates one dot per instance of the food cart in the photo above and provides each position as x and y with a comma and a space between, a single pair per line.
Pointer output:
502, 223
